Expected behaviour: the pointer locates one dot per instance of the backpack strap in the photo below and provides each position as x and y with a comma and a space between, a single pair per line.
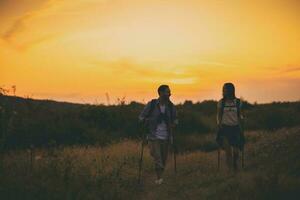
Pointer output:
222, 109
152, 106
238, 103
171, 106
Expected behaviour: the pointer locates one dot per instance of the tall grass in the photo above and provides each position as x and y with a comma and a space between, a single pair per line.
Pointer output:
72, 172
93, 172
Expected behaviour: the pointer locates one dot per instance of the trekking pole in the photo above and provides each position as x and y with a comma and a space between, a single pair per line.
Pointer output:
175, 163
174, 150
243, 164
141, 160
243, 136
142, 153
243, 152
219, 157
219, 143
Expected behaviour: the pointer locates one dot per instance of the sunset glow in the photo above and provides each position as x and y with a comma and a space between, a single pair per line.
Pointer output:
79, 50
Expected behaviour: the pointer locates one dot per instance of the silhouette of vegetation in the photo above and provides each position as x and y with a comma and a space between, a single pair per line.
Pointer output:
26, 122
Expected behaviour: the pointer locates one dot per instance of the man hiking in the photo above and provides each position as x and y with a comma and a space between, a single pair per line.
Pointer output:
160, 117
230, 135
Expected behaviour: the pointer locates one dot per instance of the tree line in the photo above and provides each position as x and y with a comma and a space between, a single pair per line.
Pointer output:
27, 122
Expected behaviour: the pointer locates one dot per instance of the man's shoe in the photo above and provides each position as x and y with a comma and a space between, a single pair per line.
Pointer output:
159, 181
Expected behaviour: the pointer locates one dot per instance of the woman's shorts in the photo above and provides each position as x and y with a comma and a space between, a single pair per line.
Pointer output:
231, 133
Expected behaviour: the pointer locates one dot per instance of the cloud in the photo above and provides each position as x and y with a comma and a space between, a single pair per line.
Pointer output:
28, 26
126, 66
282, 70
20, 25
146, 72
32, 43
208, 72
291, 69
217, 64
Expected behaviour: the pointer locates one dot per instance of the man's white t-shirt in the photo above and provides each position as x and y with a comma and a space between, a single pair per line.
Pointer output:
162, 129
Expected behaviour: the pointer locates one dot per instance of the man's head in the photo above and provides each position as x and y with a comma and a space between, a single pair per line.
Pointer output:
164, 92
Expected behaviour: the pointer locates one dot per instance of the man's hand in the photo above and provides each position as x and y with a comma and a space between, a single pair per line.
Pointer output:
143, 120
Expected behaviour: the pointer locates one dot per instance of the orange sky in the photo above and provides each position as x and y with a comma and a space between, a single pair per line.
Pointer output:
79, 50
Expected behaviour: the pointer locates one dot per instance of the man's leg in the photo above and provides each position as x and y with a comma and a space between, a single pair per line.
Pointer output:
164, 152
155, 151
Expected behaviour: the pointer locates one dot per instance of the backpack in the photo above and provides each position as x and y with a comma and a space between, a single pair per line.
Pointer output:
152, 106
238, 103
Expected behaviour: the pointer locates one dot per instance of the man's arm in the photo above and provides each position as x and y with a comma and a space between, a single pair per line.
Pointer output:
145, 112
174, 117
219, 114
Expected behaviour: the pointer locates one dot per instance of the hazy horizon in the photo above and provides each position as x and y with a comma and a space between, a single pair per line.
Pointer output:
127, 101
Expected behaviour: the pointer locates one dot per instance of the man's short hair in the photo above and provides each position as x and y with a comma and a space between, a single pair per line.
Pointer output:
162, 88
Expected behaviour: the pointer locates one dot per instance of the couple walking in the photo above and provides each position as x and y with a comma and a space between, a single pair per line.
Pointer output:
160, 116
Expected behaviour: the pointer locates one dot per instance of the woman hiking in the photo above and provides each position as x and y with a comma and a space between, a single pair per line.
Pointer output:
230, 135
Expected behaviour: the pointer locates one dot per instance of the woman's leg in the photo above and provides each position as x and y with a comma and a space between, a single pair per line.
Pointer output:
236, 140
235, 158
228, 152
164, 152
155, 151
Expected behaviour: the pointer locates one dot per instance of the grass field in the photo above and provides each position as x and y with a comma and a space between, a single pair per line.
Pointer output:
272, 171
